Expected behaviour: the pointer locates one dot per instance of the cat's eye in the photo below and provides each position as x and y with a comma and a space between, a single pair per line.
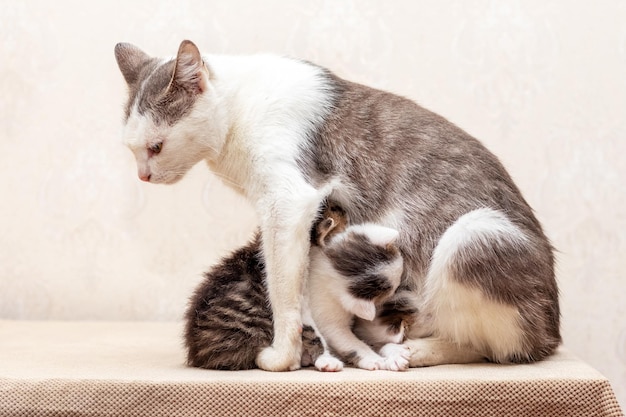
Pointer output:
156, 148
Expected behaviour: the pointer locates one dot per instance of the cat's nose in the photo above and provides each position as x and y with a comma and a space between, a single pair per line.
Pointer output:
145, 177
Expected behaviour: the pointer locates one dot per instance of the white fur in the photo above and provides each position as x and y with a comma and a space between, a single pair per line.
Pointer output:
248, 125
328, 363
361, 308
462, 315
378, 235
396, 356
333, 307
325, 362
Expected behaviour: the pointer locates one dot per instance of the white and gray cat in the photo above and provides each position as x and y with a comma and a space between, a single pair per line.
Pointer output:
355, 271
288, 135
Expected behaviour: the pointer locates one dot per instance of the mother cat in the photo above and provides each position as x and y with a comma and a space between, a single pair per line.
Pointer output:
288, 134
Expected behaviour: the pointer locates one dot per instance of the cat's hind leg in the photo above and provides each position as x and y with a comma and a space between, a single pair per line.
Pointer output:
467, 326
483, 295
432, 351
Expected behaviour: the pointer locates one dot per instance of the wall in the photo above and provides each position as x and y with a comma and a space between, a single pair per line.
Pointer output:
541, 83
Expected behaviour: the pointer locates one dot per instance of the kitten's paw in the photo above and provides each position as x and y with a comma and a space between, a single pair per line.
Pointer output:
395, 349
396, 356
328, 363
272, 359
371, 363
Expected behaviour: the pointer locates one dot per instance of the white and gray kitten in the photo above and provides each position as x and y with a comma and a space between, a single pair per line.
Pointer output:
354, 270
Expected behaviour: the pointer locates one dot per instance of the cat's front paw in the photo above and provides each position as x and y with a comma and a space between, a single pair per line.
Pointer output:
396, 356
328, 363
272, 359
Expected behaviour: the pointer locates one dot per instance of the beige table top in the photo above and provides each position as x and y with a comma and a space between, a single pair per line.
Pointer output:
137, 369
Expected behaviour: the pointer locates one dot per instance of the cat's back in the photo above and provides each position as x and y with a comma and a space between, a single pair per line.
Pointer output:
270, 90
368, 126
389, 151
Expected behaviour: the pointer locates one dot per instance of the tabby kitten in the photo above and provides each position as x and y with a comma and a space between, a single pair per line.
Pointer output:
288, 135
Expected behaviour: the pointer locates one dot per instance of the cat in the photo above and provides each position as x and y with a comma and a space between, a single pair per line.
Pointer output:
228, 320
353, 270
288, 134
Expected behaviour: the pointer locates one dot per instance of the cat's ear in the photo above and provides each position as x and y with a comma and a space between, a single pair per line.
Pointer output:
190, 73
130, 59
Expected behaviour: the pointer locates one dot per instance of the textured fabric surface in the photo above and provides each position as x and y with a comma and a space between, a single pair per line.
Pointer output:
137, 369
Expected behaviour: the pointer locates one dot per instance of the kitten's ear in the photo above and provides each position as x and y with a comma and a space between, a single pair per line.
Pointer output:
130, 59
190, 73
324, 229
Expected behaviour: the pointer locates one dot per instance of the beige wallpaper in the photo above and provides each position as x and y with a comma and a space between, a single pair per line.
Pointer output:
542, 83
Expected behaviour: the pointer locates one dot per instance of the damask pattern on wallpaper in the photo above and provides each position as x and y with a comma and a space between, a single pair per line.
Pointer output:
540, 82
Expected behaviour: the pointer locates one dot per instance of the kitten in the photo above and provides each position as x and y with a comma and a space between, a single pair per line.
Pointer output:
288, 135
229, 321
354, 269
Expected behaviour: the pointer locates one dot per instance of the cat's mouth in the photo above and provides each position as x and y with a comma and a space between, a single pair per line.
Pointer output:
165, 178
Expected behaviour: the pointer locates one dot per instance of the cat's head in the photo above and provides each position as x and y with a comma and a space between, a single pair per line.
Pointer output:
172, 118
366, 247
368, 253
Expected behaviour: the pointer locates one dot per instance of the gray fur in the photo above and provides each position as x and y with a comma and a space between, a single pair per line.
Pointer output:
398, 155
